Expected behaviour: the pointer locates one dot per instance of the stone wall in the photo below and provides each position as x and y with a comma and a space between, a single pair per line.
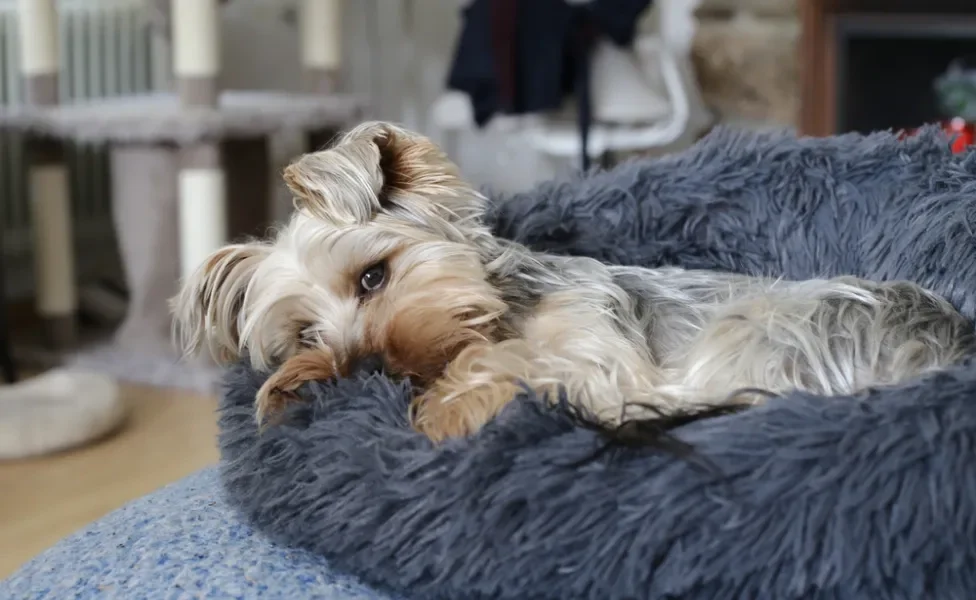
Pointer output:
745, 55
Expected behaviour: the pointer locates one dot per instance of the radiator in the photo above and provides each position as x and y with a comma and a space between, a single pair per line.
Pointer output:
107, 49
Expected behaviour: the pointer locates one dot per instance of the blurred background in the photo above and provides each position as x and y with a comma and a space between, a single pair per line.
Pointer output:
136, 136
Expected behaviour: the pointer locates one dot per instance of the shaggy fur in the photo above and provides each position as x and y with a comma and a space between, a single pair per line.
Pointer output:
388, 260
865, 496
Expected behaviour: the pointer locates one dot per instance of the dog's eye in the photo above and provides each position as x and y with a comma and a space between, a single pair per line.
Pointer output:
372, 279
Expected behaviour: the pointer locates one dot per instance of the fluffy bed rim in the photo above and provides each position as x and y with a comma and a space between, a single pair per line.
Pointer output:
866, 497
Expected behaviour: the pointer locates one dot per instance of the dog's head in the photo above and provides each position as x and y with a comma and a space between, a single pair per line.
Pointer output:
381, 259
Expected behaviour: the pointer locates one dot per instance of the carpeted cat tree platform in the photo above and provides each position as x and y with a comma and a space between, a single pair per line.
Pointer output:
861, 497
190, 171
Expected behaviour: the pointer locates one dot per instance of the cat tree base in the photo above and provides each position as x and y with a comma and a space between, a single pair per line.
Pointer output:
55, 411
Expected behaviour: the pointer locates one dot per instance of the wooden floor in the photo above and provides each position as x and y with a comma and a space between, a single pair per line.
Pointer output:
169, 434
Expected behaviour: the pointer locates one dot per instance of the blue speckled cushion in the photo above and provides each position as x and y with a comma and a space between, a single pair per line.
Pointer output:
180, 542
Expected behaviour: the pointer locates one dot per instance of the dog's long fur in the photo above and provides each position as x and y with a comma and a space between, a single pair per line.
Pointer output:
471, 318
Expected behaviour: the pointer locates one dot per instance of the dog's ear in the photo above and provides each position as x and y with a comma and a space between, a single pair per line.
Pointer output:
376, 167
207, 311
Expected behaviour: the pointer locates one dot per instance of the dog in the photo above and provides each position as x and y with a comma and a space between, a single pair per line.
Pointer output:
387, 264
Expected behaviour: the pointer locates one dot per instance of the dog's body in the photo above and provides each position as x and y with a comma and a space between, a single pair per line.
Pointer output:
387, 260
620, 339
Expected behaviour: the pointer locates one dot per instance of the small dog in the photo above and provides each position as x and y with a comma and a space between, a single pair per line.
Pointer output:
387, 264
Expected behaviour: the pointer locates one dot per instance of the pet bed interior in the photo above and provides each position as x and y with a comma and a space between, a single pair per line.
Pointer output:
851, 497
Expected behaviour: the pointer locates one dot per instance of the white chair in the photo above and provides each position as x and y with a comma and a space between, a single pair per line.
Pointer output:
642, 99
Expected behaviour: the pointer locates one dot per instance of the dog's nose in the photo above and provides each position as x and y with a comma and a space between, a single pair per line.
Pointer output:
368, 364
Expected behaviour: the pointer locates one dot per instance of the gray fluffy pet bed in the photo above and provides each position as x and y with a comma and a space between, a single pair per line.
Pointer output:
869, 497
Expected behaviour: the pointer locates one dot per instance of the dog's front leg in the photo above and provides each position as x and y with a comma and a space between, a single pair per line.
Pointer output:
473, 389
443, 412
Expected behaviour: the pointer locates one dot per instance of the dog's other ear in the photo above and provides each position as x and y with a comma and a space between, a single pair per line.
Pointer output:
377, 166
207, 310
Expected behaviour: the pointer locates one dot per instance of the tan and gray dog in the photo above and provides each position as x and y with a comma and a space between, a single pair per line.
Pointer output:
386, 262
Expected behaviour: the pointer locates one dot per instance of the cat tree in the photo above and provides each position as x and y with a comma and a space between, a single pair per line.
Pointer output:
190, 168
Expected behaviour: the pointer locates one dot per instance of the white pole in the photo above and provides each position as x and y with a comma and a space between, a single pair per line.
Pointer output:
201, 185
50, 202
203, 215
196, 38
321, 43
53, 247
321, 22
38, 21
196, 50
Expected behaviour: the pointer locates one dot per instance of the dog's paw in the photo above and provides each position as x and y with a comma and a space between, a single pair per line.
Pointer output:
445, 412
281, 388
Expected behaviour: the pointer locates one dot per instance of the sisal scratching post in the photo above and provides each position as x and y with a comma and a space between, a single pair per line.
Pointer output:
38, 22
196, 50
56, 294
321, 55
54, 270
321, 44
201, 180
202, 208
